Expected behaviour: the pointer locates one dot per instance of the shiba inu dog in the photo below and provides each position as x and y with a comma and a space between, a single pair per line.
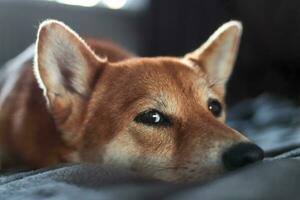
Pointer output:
90, 101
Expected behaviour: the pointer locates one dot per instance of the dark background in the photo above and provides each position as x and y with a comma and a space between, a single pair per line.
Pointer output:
269, 58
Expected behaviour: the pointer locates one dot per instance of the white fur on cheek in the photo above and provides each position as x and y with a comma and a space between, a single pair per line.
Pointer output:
124, 152
120, 153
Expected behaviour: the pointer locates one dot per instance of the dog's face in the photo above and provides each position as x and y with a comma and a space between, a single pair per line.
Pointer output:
160, 116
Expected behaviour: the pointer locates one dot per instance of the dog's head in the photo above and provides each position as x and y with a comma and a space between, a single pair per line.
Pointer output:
161, 116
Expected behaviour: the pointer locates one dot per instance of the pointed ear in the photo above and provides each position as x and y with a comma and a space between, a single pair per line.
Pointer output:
65, 66
217, 55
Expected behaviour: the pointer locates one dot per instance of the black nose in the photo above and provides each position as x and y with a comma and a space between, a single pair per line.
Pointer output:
242, 154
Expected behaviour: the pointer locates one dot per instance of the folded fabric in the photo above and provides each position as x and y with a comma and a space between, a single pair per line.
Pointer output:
270, 121
271, 180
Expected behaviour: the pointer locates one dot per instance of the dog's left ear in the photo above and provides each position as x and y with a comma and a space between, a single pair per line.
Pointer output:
217, 55
66, 69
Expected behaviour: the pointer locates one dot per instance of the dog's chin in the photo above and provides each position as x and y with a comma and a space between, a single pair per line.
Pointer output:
199, 176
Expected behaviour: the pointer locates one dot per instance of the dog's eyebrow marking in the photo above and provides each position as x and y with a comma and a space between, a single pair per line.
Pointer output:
159, 101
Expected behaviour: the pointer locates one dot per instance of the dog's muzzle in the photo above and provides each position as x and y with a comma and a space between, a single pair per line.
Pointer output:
242, 154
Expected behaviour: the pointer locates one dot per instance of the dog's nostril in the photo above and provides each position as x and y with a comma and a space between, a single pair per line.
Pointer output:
242, 154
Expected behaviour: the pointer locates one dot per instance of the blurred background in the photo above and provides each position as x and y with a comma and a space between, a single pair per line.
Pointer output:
269, 57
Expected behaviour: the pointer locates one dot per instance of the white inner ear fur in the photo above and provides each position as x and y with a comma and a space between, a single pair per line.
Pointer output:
218, 53
59, 62
60, 54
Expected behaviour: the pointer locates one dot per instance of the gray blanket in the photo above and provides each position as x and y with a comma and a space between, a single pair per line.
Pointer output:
270, 180
271, 122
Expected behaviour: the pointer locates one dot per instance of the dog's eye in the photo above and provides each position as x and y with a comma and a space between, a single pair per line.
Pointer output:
153, 118
215, 107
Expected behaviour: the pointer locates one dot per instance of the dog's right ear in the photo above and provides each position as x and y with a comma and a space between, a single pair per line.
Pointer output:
217, 55
65, 68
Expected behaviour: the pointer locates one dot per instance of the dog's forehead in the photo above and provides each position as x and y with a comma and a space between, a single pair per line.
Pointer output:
163, 81
163, 72
164, 75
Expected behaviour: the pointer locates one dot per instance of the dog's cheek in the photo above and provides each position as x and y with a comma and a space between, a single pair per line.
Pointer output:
204, 165
155, 152
127, 152
121, 152
198, 159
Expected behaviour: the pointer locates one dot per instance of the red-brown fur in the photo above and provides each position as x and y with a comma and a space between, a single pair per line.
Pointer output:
81, 126
28, 131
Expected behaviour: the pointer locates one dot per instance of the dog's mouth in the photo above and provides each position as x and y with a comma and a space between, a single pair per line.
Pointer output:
200, 175
235, 157
185, 173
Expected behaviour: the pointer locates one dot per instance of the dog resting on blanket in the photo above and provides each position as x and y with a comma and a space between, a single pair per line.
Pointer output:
90, 101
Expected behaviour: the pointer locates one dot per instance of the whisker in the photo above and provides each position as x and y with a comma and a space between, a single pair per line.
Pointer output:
162, 168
